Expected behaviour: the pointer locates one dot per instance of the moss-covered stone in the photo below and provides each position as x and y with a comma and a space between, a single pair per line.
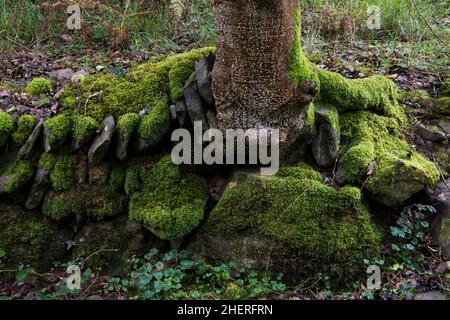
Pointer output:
375, 93
291, 222
84, 128
141, 88
62, 175
84, 202
6, 127
171, 205
25, 127
28, 240
117, 177
106, 245
47, 161
127, 123
39, 86
57, 129
156, 123
16, 175
99, 173
401, 171
178, 75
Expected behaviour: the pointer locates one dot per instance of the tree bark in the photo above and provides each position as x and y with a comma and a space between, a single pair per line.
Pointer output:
258, 44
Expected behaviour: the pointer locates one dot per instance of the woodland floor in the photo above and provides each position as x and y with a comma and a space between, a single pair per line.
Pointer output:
411, 66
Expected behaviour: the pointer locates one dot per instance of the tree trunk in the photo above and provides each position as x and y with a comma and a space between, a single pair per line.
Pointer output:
261, 78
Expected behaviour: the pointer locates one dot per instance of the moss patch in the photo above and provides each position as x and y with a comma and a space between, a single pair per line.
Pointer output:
62, 175
327, 228
154, 123
84, 128
127, 124
39, 86
6, 127
25, 127
59, 126
171, 204
141, 88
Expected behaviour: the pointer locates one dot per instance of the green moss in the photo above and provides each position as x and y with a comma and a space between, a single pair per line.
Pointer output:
372, 137
19, 174
84, 201
127, 123
156, 121
117, 177
326, 228
178, 75
64, 205
24, 238
62, 175
59, 126
84, 128
132, 180
171, 205
6, 127
39, 86
301, 171
374, 93
298, 65
25, 127
47, 161
141, 88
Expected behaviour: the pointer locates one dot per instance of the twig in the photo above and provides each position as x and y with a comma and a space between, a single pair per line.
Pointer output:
428, 25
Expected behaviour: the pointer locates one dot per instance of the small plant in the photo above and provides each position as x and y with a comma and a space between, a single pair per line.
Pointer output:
174, 276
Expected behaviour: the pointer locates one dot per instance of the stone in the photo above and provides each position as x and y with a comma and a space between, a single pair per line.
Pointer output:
181, 111
326, 142
52, 146
431, 295
288, 224
108, 243
30, 239
38, 189
428, 134
27, 148
101, 143
203, 69
213, 122
78, 76
122, 145
62, 75
99, 173
194, 104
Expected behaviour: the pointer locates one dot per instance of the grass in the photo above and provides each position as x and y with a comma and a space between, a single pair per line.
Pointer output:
114, 24
152, 26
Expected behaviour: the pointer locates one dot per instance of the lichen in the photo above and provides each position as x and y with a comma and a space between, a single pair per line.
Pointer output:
39, 86
171, 205
62, 175
59, 126
25, 127
6, 127
127, 123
